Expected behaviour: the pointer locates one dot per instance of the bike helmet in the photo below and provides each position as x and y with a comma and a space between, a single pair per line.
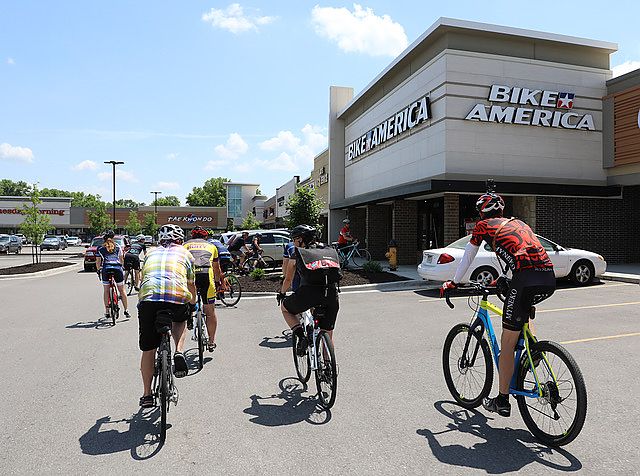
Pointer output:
170, 232
109, 234
258, 235
346, 221
199, 232
306, 232
490, 205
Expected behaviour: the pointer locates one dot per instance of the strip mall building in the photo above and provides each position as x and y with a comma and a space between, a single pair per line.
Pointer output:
537, 112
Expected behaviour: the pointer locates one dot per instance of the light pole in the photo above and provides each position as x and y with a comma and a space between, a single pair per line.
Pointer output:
155, 202
114, 163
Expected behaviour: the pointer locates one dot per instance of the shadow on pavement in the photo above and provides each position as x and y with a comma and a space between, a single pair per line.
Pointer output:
282, 341
101, 323
141, 435
191, 356
503, 449
289, 406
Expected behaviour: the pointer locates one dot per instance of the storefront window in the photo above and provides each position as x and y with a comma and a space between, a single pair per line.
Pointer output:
234, 199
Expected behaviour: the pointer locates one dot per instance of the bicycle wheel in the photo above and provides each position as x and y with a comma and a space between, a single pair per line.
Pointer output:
165, 368
113, 305
557, 417
469, 375
303, 364
327, 372
200, 337
360, 257
232, 294
267, 263
129, 282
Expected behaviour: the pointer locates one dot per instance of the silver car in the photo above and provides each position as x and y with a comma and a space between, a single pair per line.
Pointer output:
10, 244
272, 241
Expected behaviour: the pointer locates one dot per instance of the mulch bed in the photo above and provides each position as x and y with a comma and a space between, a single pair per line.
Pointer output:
32, 268
271, 282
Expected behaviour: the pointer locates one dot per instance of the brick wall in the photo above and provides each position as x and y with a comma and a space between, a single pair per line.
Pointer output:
451, 217
358, 224
405, 230
378, 230
609, 227
525, 209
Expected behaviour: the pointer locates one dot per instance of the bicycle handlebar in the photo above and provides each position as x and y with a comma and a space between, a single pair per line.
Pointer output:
481, 288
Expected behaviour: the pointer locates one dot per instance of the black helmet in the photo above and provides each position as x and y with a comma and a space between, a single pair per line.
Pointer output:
109, 234
258, 235
306, 232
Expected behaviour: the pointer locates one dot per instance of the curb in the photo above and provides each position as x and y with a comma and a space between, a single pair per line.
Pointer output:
41, 274
622, 277
389, 287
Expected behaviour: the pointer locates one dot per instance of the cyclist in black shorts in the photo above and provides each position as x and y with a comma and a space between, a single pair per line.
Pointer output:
132, 260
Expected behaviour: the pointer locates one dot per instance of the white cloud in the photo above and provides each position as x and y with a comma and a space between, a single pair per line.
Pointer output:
86, 165
296, 153
120, 175
10, 152
215, 164
172, 156
167, 186
235, 147
242, 168
11, 61
360, 31
285, 140
283, 162
625, 68
234, 19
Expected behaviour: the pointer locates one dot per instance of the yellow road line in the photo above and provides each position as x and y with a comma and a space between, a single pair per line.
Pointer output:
588, 307
590, 339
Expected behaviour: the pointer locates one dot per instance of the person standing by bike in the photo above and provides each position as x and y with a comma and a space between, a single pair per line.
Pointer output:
168, 284
307, 294
110, 260
345, 238
132, 260
208, 277
533, 281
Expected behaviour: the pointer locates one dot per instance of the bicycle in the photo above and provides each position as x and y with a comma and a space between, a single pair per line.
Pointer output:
163, 381
542, 370
200, 334
252, 262
231, 290
319, 357
112, 303
358, 256
129, 281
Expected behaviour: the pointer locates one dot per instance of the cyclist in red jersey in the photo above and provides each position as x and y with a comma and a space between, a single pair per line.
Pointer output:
533, 280
345, 238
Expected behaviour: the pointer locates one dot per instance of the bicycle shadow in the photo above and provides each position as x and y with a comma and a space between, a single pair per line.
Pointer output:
193, 360
282, 341
295, 408
503, 449
141, 437
101, 323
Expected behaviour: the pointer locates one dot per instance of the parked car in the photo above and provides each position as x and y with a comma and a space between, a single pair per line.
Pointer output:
53, 243
23, 239
272, 241
440, 264
10, 244
92, 248
73, 241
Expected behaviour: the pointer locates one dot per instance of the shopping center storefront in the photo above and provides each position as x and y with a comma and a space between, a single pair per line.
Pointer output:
12, 213
409, 154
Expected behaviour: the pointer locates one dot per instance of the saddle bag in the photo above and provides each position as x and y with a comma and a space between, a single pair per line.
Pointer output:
318, 265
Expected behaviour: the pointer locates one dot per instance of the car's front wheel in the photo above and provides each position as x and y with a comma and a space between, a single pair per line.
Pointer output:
484, 275
582, 273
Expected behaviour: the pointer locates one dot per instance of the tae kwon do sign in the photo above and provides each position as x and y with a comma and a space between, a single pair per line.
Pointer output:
401, 122
190, 218
522, 113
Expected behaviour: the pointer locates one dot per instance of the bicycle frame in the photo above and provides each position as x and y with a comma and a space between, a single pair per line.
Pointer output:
307, 321
483, 322
345, 257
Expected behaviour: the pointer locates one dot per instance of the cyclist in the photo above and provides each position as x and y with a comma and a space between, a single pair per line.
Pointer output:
132, 260
238, 247
208, 276
110, 260
533, 281
255, 250
305, 296
168, 284
345, 239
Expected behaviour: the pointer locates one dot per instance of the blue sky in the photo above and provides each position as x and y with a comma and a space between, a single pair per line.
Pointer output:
184, 91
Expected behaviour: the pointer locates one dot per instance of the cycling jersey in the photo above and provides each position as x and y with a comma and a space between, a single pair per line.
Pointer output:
165, 275
290, 253
515, 243
137, 249
237, 244
204, 253
344, 234
110, 260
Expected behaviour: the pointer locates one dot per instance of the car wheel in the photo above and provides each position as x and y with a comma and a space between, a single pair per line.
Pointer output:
88, 268
582, 273
484, 275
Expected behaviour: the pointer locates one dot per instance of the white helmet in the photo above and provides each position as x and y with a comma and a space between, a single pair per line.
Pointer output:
346, 221
170, 232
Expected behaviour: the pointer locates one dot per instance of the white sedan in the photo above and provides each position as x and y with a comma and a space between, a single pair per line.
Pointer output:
441, 264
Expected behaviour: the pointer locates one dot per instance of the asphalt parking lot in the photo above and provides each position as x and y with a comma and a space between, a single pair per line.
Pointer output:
24, 257
72, 386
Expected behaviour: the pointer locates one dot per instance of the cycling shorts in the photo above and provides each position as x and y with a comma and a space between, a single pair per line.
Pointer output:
307, 297
149, 338
206, 286
528, 287
131, 261
117, 272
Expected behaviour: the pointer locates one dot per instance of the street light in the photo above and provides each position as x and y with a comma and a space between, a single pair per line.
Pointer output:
155, 202
114, 163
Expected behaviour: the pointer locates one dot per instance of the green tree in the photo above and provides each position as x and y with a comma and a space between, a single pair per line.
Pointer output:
250, 222
87, 200
168, 201
133, 225
99, 219
149, 225
14, 189
304, 207
127, 203
35, 224
212, 194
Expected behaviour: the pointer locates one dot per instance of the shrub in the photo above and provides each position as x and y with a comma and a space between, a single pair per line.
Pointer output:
372, 267
257, 274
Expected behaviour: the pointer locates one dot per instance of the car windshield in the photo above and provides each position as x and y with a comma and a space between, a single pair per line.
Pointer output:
461, 243
51, 239
97, 242
4, 238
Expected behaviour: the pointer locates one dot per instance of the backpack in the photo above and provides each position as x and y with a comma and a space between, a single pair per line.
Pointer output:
318, 265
